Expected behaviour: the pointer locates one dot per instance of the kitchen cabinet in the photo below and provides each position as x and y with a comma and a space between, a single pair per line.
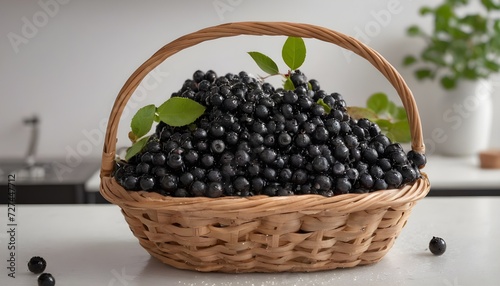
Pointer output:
60, 184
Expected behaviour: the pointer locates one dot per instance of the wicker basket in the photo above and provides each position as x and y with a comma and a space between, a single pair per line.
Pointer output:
260, 233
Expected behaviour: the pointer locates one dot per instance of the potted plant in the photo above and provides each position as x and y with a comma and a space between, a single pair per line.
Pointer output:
461, 52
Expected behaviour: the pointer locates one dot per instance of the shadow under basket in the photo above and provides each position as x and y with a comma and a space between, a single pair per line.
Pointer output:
265, 234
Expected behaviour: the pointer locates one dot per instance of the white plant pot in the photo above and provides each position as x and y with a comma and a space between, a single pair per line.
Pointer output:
465, 118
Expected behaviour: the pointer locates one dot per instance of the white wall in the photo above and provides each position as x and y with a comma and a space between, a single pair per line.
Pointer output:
72, 57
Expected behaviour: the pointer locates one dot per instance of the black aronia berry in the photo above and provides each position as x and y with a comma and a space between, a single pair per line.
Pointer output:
437, 245
37, 264
46, 279
255, 139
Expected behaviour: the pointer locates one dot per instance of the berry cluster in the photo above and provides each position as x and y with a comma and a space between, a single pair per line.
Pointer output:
254, 139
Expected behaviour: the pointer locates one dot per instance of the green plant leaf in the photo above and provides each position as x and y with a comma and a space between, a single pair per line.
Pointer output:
425, 10
325, 106
423, 73
132, 137
477, 22
384, 124
309, 86
441, 20
180, 111
409, 60
494, 43
470, 73
496, 25
391, 136
491, 65
294, 52
448, 82
490, 5
143, 120
288, 84
361, 112
400, 130
392, 109
435, 55
400, 113
136, 147
265, 63
413, 31
378, 102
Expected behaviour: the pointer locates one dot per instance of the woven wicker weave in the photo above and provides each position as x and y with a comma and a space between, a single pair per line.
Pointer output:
265, 234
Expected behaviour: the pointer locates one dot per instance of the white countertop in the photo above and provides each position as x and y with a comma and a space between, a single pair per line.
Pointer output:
92, 245
460, 173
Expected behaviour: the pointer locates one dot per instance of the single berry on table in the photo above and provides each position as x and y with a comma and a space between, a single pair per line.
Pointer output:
437, 245
46, 279
37, 264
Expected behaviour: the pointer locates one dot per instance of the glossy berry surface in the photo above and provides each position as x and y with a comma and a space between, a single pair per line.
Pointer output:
37, 264
46, 279
254, 139
437, 245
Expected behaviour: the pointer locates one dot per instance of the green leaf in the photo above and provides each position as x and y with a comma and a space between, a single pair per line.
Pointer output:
309, 86
180, 111
325, 106
392, 109
434, 55
409, 60
491, 65
490, 5
478, 22
136, 148
423, 73
390, 136
448, 82
294, 52
378, 102
400, 114
445, 11
400, 130
265, 63
496, 25
384, 124
143, 120
132, 137
470, 73
413, 31
361, 112
288, 84
425, 10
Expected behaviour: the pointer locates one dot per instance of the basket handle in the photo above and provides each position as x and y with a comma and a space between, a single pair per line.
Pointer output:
260, 29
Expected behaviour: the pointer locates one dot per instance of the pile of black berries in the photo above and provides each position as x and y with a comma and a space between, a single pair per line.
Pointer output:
254, 139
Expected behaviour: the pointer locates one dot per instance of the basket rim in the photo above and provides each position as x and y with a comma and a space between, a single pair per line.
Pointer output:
259, 29
262, 204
